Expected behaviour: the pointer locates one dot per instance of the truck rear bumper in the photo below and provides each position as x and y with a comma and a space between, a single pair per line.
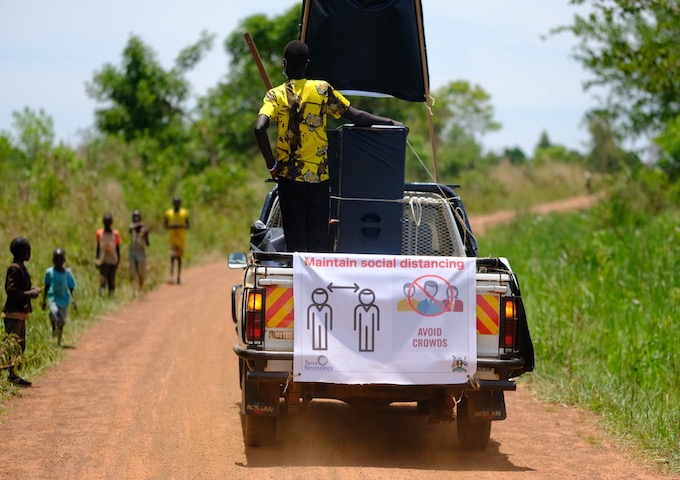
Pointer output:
260, 357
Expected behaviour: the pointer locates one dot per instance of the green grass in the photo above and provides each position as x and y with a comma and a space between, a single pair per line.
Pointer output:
519, 187
602, 293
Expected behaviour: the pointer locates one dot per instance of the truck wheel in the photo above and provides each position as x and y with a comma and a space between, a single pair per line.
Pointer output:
259, 430
472, 435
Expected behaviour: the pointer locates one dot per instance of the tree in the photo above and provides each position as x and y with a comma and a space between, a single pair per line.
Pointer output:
228, 111
23, 158
143, 99
35, 132
669, 141
543, 141
463, 114
631, 46
605, 153
30, 164
515, 155
463, 107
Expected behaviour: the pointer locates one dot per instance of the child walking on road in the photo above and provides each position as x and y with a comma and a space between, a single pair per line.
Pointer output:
18, 305
59, 292
108, 254
139, 240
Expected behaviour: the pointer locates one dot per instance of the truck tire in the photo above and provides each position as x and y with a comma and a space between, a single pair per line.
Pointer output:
259, 431
472, 434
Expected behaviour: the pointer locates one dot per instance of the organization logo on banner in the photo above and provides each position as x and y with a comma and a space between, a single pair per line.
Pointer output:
384, 319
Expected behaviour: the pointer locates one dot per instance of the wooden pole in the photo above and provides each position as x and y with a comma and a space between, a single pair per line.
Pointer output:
258, 60
426, 82
305, 20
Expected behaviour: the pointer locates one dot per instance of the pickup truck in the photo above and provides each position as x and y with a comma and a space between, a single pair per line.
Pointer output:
434, 225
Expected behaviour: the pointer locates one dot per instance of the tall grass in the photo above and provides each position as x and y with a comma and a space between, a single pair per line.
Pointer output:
602, 293
519, 187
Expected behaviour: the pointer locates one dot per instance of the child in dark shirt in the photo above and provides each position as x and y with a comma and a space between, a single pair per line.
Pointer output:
19, 294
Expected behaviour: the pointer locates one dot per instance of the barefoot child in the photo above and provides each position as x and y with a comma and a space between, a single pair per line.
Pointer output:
139, 240
18, 305
58, 293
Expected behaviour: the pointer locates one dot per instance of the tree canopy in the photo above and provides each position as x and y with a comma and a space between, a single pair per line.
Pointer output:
631, 47
140, 97
229, 109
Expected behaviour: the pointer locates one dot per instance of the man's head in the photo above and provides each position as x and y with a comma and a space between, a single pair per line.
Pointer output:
20, 248
136, 216
176, 202
295, 59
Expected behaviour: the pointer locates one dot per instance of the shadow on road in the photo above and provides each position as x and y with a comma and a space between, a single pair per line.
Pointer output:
332, 434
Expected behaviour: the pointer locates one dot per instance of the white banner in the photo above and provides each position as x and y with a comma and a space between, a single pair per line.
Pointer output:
401, 320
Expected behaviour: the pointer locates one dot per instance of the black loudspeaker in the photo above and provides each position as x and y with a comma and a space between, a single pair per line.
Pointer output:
367, 181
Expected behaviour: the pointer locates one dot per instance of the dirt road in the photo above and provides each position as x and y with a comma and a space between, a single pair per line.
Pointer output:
152, 393
482, 222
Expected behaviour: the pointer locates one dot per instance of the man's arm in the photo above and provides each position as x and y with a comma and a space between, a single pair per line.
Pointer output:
13, 286
261, 125
362, 118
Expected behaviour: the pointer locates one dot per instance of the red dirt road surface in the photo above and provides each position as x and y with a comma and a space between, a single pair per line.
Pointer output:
152, 393
480, 223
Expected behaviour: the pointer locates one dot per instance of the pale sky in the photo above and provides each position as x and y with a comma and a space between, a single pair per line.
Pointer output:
50, 49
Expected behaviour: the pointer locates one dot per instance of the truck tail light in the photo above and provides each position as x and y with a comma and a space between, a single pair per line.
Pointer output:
509, 321
255, 316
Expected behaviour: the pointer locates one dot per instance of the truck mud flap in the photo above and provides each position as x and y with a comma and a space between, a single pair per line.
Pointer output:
261, 399
484, 406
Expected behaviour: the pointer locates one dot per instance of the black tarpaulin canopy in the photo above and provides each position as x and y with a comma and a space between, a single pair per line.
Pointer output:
375, 46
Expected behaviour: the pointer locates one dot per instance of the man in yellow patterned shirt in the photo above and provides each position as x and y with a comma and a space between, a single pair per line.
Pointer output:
177, 223
300, 108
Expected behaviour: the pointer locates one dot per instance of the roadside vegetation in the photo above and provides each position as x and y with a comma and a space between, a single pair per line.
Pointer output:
602, 294
601, 286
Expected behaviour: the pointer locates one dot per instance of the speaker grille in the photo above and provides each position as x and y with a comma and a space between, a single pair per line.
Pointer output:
427, 226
